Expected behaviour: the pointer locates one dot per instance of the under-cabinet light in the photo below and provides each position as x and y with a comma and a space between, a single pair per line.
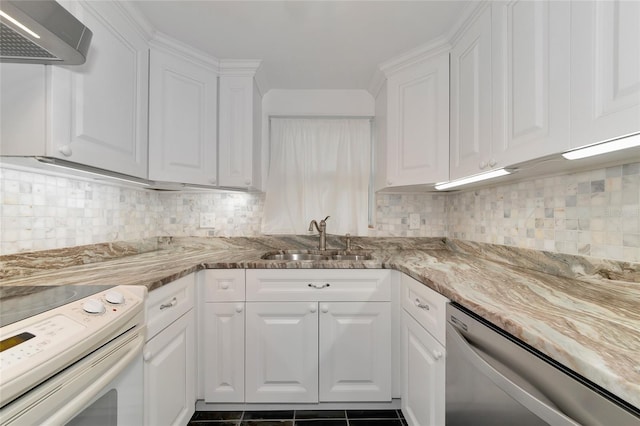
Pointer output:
99, 174
475, 178
18, 24
629, 141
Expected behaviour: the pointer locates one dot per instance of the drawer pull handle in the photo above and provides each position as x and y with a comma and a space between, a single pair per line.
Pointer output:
319, 286
171, 304
421, 305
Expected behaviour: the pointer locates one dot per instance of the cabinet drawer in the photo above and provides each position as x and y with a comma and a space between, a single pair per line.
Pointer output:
426, 306
223, 285
344, 285
168, 303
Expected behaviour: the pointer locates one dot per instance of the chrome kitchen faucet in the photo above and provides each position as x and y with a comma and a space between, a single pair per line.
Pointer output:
322, 229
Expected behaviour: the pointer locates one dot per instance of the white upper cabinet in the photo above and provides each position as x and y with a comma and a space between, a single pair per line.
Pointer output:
531, 72
605, 63
471, 98
94, 114
99, 109
182, 117
510, 86
412, 115
240, 128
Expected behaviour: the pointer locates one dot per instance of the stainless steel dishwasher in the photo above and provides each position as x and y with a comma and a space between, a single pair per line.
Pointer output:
495, 379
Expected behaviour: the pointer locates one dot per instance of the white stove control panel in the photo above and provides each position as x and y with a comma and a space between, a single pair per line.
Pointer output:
35, 339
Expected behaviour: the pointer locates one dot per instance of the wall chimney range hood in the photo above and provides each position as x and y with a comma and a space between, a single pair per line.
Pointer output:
41, 32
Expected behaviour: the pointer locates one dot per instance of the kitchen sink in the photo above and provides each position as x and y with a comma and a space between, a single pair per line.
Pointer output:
298, 255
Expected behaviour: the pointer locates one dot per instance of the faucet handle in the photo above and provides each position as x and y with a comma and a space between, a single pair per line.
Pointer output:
325, 219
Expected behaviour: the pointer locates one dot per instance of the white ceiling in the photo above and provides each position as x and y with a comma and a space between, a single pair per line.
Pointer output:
306, 44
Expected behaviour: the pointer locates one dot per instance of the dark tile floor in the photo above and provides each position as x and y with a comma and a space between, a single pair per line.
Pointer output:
299, 418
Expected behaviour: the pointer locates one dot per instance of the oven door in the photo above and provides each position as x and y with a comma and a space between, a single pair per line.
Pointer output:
103, 388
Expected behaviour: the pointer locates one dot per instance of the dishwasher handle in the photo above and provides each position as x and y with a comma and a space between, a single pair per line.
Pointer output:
534, 404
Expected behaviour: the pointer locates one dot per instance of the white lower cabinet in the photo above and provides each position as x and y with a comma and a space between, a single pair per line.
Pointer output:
318, 336
224, 346
282, 352
170, 374
423, 354
169, 355
423, 370
318, 351
223, 325
355, 352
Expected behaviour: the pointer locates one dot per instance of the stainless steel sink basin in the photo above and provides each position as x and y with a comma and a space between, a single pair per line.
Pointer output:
294, 256
298, 255
351, 256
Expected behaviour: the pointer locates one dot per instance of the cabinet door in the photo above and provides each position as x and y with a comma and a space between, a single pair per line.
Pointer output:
99, 109
423, 373
237, 95
281, 352
471, 99
355, 351
169, 374
418, 123
605, 70
182, 120
530, 69
224, 352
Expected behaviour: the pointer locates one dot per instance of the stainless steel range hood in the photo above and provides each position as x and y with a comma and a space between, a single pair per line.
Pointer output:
41, 32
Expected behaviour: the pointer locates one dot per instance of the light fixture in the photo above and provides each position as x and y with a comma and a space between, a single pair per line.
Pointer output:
18, 24
91, 171
624, 142
474, 178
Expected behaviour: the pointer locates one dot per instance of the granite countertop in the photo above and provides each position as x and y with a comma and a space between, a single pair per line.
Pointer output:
582, 312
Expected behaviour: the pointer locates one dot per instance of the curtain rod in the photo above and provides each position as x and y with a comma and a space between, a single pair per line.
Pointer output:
332, 117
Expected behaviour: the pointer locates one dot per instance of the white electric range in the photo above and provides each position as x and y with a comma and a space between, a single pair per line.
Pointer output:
68, 353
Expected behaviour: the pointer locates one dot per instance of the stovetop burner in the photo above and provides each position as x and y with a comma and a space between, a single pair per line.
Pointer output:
21, 302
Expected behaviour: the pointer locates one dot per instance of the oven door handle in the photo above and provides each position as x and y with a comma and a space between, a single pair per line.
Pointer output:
545, 411
73, 407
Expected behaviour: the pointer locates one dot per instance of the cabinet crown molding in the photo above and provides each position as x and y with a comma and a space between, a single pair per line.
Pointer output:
421, 53
162, 41
246, 67
469, 15
135, 17
239, 67
414, 56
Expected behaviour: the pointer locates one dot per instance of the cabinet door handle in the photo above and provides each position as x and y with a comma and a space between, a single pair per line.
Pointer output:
171, 304
492, 163
421, 305
313, 308
437, 354
318, 285
239, 307
324, 308
147, 355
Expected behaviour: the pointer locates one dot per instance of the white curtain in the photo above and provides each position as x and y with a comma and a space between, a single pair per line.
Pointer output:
318, 168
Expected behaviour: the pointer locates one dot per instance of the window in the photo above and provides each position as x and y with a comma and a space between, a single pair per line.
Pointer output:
318, 168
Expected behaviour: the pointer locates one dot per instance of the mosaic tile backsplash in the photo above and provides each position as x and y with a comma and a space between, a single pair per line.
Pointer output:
595, 213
